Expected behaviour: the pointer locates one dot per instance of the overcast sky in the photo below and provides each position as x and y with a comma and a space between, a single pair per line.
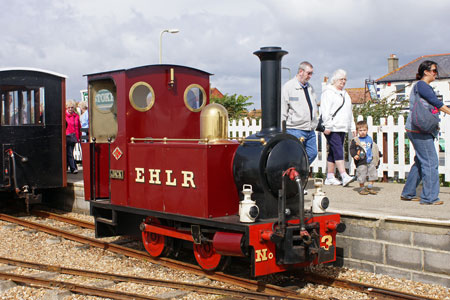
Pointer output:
77, 37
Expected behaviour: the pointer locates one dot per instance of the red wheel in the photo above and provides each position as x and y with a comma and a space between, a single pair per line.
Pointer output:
207, 258
155, 244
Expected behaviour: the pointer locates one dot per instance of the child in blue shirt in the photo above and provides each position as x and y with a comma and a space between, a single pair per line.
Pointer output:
366, 156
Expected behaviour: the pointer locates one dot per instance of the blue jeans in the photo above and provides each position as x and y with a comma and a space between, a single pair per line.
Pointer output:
310, 141
425, 169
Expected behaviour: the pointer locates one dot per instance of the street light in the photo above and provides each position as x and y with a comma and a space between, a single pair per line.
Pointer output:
160, 41
286, 68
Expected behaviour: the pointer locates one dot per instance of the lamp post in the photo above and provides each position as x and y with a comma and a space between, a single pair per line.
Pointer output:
160, 41
286, 68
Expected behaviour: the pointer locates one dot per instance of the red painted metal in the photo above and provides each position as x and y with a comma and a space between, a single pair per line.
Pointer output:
206, 256
264, 261
169, 116
266, 234
168, 231
332, 225
211, 192
63, 133
228, 243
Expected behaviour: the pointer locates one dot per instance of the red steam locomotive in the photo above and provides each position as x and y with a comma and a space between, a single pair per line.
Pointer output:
159, 163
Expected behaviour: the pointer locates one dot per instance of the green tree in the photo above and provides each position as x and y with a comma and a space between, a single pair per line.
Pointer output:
236, 105
380, 109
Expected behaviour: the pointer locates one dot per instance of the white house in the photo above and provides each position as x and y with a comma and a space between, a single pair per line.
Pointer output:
397, 84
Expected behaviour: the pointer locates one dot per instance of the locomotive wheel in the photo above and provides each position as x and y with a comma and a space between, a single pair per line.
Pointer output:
208, 259
156, 244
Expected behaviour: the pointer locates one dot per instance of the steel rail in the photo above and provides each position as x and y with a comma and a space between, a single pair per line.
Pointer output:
82, 289
251, 285
53, 216
370, 290
142, 280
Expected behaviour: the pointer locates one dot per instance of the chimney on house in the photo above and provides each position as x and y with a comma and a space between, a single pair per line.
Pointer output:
392, 63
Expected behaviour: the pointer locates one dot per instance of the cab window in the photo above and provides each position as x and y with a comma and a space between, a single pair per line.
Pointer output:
142, 96
194, 97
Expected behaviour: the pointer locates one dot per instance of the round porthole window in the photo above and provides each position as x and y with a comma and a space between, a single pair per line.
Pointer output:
142, 96
194, 97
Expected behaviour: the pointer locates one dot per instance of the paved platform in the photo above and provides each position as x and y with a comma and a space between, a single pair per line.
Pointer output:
386, 205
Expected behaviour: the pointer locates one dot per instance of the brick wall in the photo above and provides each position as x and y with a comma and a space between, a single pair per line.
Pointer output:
419, 252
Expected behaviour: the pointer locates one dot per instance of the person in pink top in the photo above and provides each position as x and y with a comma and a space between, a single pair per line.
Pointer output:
73, 134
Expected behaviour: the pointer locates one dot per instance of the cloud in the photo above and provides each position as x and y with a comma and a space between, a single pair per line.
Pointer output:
80, 37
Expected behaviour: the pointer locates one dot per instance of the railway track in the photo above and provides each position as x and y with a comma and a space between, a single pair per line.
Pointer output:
120, 278
370, 290
259, 288
251, 285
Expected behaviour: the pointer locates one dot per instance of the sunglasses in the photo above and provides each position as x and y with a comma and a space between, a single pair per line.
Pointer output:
435, 71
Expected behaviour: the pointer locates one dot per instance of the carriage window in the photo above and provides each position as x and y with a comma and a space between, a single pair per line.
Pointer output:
22, 105
142, 96
194, 97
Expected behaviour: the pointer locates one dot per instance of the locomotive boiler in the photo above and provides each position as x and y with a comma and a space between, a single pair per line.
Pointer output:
159, 163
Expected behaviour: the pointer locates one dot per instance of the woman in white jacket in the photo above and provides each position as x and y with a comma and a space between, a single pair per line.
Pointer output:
337, 116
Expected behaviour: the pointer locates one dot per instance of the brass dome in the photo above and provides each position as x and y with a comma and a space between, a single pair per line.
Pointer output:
214, 123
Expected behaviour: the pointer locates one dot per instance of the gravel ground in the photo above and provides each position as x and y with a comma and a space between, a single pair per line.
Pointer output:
26, 244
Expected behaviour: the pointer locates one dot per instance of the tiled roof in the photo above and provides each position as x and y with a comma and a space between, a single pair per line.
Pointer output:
358, 95
408, 71
216, 93
255, 113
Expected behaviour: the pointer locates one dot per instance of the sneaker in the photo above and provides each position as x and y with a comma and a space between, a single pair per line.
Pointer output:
347, 180
332, 181
372, 191
364, 192
75, 172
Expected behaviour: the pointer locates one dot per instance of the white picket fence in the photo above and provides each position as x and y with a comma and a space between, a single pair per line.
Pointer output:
395, 147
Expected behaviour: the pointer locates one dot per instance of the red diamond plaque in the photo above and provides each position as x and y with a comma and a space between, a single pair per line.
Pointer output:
117, 153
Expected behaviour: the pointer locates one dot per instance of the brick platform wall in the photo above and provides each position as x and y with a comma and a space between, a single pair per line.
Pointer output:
419, 252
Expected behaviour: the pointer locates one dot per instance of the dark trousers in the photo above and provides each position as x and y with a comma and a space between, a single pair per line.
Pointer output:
70, 159
335, 146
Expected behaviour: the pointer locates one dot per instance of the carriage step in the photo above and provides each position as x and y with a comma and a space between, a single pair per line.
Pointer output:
106, 221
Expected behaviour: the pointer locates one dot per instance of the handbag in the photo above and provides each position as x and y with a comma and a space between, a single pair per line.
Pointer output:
320, 127
71, 138
422, 117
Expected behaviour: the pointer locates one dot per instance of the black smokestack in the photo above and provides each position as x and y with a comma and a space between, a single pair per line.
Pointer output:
270, 58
